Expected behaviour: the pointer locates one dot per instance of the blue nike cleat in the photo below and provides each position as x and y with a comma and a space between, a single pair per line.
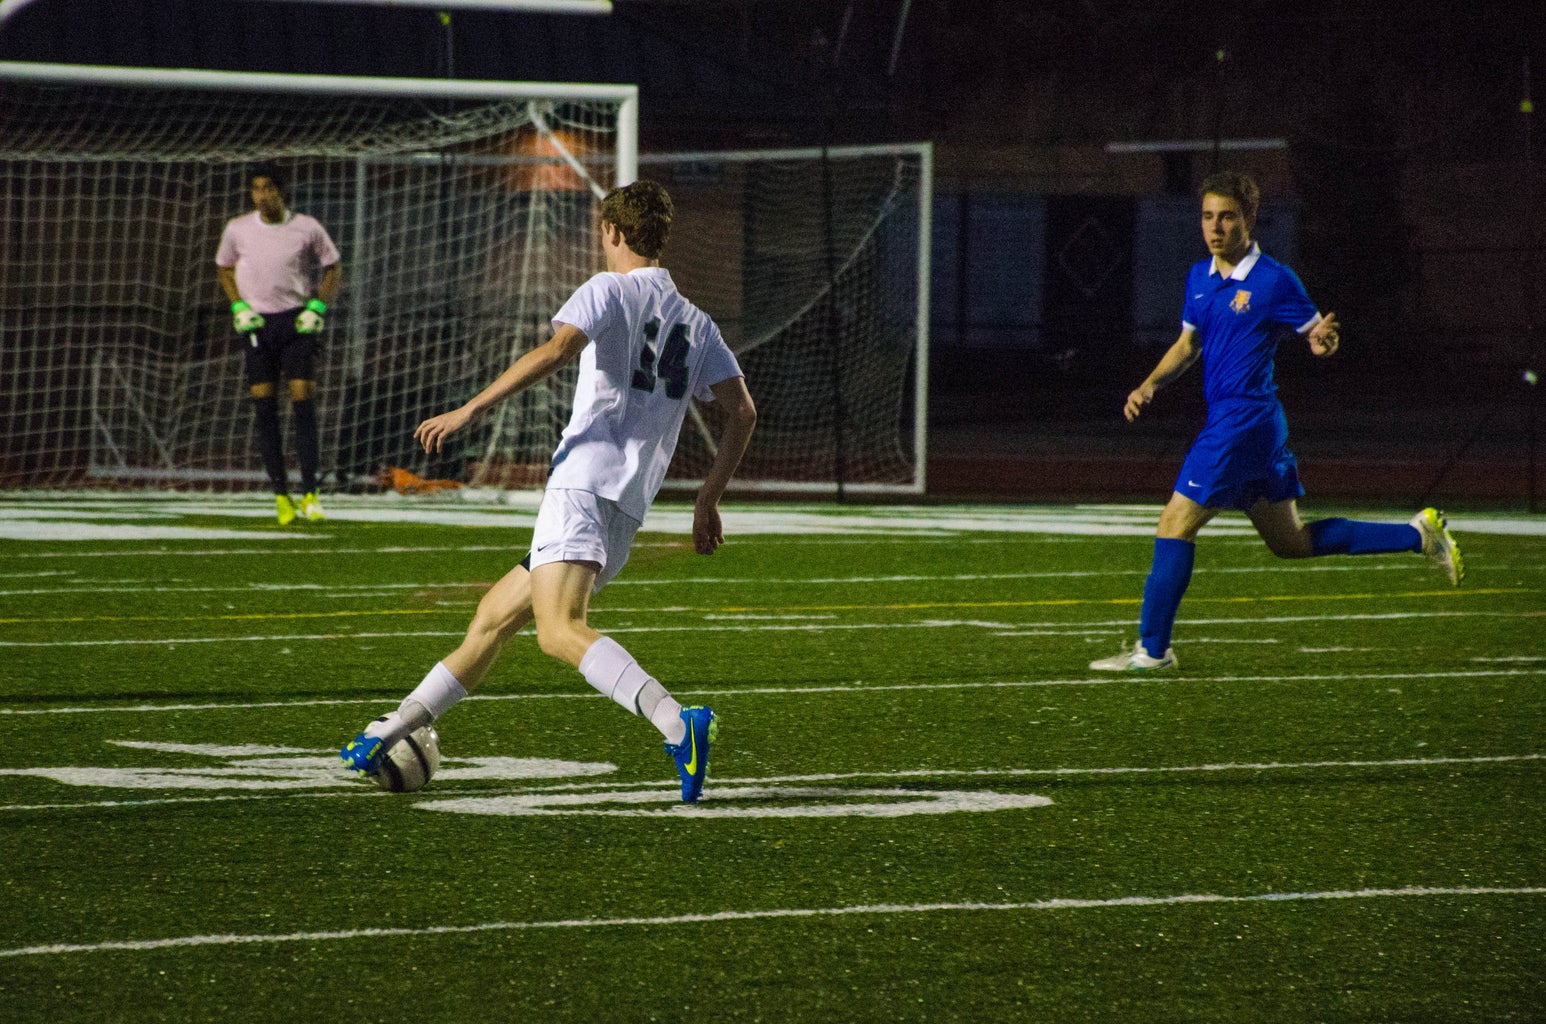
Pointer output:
362, 755
692, 754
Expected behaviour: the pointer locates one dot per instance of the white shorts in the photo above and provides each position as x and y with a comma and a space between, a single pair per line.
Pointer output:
578, 526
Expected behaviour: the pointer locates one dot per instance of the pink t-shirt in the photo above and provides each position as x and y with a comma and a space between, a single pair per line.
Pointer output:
277, 265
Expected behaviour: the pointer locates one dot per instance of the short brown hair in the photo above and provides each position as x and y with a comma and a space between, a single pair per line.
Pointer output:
1241, 188
642, 212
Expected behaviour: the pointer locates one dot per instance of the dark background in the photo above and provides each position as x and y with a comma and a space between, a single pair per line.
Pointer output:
1406, 192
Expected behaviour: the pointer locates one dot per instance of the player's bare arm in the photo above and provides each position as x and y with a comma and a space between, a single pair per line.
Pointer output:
331, 278
227, 278
740, 417
537, 365
1176, 361
1325, 336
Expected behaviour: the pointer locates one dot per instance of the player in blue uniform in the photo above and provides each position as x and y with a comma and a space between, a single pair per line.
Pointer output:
1238, 302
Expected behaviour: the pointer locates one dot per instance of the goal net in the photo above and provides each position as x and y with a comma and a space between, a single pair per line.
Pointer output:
465, 213
814, 263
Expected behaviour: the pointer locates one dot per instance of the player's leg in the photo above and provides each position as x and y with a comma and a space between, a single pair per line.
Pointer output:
1287, 536
504, 610
1427, 534
560, 598
580, 543
1170, 573
303, 417
1279, 525
298, 364
262, 371
560, 602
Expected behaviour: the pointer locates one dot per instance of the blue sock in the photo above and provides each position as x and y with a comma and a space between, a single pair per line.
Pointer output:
1351, 537
1162, 592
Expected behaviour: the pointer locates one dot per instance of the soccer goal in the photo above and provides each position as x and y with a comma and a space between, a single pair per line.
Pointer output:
465, 212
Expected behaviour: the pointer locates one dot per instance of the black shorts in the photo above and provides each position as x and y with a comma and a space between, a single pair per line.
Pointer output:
276, 352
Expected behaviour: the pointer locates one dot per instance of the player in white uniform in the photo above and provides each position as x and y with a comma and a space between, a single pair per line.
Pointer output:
269, 262
645, 351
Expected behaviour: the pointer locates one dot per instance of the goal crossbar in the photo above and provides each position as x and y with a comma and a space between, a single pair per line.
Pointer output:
625, 96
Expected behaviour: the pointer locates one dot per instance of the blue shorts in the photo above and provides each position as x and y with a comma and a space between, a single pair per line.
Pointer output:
1241, 457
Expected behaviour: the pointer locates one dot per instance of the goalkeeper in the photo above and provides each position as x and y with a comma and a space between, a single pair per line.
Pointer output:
280, 270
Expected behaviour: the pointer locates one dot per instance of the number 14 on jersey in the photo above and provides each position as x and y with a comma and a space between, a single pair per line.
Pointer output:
672, 365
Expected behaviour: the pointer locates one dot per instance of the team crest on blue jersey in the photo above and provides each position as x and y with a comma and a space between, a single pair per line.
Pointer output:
1241, 302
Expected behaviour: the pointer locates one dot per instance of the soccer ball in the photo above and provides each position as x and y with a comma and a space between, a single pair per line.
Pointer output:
408, 765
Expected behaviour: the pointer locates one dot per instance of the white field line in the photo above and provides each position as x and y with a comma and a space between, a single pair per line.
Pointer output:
1006, 629
518, 549
668, 785
1112, 679
88, 586
726, 916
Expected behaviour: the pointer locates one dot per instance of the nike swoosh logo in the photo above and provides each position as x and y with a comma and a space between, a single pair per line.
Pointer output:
1192, 483
692, 762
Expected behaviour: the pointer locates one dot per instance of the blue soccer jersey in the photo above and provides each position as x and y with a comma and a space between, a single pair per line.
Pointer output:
1238, 319
1241, 456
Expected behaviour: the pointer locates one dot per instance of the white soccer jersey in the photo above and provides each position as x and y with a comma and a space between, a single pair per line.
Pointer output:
650, 353
276, 264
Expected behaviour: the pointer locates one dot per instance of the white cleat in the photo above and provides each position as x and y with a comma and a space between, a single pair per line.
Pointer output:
1136, 660
1439, 545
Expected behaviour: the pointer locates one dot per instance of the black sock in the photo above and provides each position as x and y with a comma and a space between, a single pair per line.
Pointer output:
304, 417
266, 412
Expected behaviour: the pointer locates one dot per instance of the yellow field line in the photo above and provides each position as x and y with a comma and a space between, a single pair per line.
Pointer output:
909, 606
921, 605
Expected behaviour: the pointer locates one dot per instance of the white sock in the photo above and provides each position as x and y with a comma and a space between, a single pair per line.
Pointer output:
437, 694
613, 671
667, 717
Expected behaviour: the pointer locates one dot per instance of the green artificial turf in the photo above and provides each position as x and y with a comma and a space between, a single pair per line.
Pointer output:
1332, 812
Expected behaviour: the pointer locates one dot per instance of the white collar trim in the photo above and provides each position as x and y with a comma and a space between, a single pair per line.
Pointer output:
1243, 267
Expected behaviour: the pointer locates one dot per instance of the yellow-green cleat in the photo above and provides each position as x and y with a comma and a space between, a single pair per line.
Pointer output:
287, 510
311, 508
1439, 545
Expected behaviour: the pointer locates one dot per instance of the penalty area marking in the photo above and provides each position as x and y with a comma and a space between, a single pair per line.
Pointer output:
893, 803
593, 791
874, 909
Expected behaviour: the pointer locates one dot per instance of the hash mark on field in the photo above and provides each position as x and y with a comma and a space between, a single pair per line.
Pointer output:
717, 917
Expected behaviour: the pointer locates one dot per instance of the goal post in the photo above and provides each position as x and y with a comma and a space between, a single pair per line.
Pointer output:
466, 215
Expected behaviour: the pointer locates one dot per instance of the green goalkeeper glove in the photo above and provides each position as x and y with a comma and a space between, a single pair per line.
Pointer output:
245, 317
310, 321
